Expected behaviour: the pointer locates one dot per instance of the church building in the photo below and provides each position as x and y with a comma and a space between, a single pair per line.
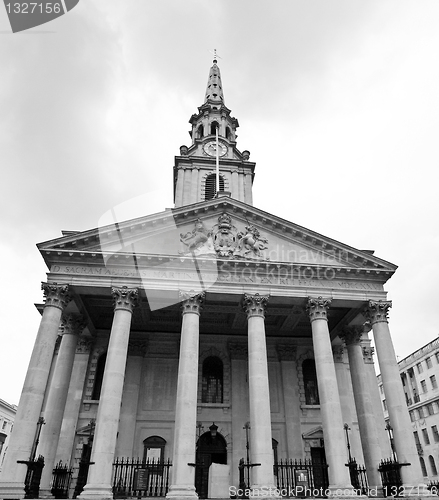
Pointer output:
209, 349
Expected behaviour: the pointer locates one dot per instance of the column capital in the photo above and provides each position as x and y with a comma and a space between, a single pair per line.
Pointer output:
125, 298
377, 311
84, 345
238, 350
318, 308
368, 354
338, 353
255, 305
191, 302
286, 352
352, 334
72, 324
137, 347
55, 295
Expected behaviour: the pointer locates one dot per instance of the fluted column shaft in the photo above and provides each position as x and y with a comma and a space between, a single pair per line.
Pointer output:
98, 485
183, 475
363, 404
330, 407
56, 399
398, 414
260, 418
32, 396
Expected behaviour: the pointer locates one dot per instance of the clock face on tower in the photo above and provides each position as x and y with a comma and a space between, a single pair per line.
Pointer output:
210, 148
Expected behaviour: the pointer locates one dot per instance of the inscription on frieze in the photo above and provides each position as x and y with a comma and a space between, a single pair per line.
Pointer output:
247, 275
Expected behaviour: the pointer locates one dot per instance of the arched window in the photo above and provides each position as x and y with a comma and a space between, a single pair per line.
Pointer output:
310, 382
212, 381
154, 449
432, 465
423, 468
228, 134
200, 132
213, 127
210, 186
99, 376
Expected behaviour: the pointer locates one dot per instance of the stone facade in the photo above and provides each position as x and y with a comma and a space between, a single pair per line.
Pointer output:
209, 333
7, 415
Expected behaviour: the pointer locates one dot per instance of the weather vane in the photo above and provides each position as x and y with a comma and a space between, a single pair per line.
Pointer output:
215, 55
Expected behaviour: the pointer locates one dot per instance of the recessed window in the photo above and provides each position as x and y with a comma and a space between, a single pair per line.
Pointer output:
210, 186
423, 468
423, 386
432, 465
428, 362
433, 381
425, 436
419, 367
212, 381
435, 433
310, 382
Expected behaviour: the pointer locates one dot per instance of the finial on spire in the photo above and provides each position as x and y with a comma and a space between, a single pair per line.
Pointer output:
215, 56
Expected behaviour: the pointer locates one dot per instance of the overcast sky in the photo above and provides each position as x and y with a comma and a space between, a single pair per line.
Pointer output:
337, 102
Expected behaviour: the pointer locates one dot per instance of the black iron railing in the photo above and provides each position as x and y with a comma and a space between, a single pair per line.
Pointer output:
33, 476
433, 487
358, 477
139, 478
390, 471
303, 478
61, 476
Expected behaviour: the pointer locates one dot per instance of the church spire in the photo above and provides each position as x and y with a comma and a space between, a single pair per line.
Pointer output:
214, 90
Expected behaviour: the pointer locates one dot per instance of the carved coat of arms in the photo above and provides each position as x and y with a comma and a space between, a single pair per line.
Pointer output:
225, 240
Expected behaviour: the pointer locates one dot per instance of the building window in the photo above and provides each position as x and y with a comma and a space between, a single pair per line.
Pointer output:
428, 362
310, 382
423, 386
212, 381
425, 436
423, 468
419, 367
213, 127
412, 416
435, 433
381, 389
210, 186
437, 357
432, 465
99, 377
5, 423
384, 405
154, 449
433, 381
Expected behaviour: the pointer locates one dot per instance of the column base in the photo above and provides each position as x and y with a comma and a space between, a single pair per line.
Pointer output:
45, 493
343, 491
97, 492
11, 490
262, 491
182, 493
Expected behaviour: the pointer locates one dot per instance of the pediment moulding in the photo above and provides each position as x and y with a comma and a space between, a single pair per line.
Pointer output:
90, 241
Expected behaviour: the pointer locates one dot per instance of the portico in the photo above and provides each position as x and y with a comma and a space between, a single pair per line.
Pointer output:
207, 334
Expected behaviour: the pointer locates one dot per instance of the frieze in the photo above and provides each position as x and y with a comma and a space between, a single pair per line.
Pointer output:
258, 276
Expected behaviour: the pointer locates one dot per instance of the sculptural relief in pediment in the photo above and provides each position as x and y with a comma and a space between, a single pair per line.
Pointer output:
225, 240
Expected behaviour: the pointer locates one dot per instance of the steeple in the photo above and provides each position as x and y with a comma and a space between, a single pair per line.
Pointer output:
194, 170
214, 90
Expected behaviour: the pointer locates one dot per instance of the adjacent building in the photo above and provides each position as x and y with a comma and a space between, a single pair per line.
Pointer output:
7, 415
214, 336
420, 376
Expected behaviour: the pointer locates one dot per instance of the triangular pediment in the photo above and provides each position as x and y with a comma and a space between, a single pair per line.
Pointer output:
315, 433
222, 228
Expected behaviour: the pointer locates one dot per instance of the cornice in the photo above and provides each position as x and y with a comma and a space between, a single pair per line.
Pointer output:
357, 263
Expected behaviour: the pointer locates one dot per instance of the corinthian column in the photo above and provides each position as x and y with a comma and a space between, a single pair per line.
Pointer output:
99, 485
366, 418
398, 414
31, 400
183, 474
330, 407
72, 326
260, 418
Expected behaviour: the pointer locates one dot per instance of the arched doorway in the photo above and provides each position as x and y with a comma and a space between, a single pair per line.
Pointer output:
211, 448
